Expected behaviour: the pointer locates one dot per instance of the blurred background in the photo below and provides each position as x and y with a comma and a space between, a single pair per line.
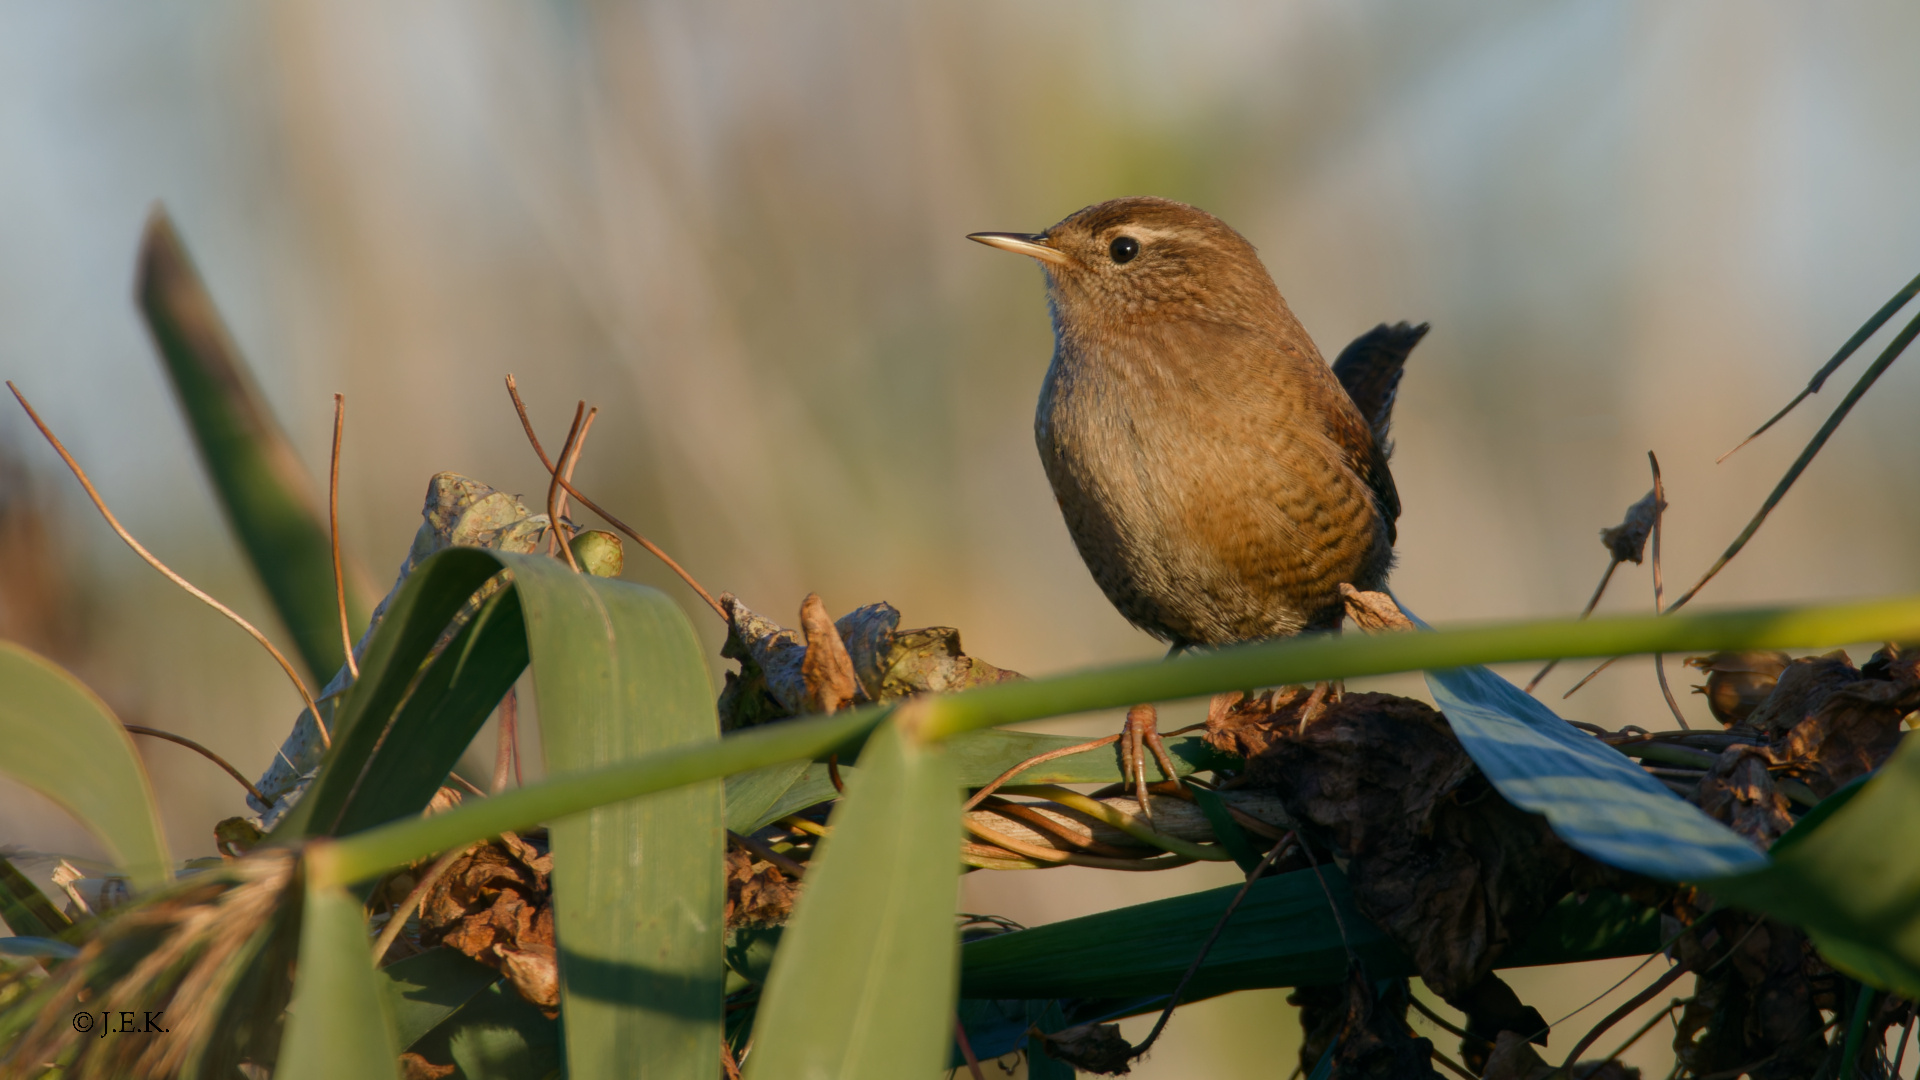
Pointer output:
738, 228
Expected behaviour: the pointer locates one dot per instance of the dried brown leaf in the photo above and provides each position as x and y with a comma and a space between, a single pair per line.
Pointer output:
495, 904
1627, 541
1803, 686
827, 670
758, 894
1454, 873
1094, 1048
1739, 791
1374, 612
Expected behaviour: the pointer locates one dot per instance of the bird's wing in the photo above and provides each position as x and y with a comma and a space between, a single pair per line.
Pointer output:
1370, 370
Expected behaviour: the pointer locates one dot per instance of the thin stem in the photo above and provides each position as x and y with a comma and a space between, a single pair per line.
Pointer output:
1900, 1054
571, 457
1339, 923
100, 504
182, 740
1065, 751
1461, 1033
767, 855
1602, 666
365, 854
333, 533
472, 788
1612, 564
554, 499
1034, 818
1036, 852
1120, 819
1452, 1066
1859, 390
1660, 659
1853, 343
397, 919
966, 1048
652, 548
1672, 976
1219, 927
1644, 1028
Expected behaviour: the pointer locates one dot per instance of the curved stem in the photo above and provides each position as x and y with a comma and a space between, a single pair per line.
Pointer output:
100, 504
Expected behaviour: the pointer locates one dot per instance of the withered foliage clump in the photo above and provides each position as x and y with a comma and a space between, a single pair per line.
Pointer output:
495, 904
1366, 1030
886, 663
1761, 987
758, 894
1455, 874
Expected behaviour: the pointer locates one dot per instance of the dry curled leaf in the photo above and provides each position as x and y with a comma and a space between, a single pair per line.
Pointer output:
495, 904
1739, 791
1757, 1000
758, 894
1454, 873
1094, 1048
1627, 541
826, 670
1374, 612
1851, 733
1375, 1042
1803, 686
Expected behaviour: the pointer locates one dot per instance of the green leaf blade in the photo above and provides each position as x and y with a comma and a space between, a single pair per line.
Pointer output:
638, 886
62, 741
863, 985
338, 1023
265, 492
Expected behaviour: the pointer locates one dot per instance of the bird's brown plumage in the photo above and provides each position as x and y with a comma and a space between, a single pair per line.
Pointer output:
1217, 479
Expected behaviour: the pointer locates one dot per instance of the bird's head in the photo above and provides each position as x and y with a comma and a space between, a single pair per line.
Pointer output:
1142, 260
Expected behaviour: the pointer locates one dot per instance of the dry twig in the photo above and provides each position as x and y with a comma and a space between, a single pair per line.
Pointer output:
100, 504
182, 740
397, 919
1660, 659
520, 406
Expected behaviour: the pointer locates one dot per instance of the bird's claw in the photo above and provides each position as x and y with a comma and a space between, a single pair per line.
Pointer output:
1142, 734
1323, 695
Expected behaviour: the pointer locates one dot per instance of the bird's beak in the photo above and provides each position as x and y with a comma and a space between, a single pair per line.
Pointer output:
1034, 244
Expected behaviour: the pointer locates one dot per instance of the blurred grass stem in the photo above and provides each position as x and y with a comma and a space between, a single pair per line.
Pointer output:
333, 533
1271, 663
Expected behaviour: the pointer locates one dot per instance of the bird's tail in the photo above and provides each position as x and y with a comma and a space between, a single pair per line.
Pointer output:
1370, 369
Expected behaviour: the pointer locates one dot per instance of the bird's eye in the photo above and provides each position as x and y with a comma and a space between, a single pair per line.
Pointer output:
1123, 249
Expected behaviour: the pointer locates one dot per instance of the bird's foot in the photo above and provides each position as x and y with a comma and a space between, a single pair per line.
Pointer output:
1324, 694
1142, 734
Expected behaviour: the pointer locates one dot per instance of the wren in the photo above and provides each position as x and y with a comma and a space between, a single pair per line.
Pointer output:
1219, 479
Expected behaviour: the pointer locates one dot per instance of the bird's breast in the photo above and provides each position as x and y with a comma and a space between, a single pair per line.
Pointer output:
1206, 513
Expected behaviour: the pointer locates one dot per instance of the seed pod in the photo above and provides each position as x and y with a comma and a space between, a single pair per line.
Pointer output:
1737, 682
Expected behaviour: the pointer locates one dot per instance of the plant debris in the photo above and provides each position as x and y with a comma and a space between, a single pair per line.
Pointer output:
758, 894
886, 663
1094, 1048
495, 904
